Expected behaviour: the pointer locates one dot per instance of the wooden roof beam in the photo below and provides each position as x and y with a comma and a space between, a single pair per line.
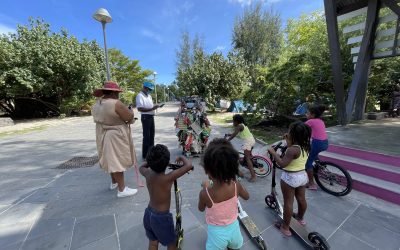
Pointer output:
352, 7
392, 5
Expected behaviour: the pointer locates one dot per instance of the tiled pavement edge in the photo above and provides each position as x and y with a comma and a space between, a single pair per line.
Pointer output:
45, 208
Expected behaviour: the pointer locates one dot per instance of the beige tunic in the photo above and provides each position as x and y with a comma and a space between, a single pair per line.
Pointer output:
113, 138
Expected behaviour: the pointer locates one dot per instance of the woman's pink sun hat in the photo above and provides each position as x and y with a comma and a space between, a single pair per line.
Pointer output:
113, 86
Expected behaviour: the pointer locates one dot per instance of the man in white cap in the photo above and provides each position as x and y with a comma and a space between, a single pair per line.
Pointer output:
145, 106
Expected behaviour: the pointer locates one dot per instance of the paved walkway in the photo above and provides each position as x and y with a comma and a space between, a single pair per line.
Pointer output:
45, 208
381, 136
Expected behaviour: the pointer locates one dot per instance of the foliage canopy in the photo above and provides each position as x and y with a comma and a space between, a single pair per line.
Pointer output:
46, 73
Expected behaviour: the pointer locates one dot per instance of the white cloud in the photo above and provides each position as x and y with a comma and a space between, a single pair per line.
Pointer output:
173, 10
242, 2
249, 2
4, 29
152, 35
187, 6
220, 48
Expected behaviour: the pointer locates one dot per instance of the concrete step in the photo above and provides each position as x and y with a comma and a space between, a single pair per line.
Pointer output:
366, 155
366, 167
384, 190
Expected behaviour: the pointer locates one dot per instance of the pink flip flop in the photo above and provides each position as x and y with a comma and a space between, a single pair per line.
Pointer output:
285, 233
302, 222
312, 187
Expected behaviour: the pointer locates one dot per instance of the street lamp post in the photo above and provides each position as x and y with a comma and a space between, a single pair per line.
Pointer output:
168, 94
155, 84
165, 99
104, 17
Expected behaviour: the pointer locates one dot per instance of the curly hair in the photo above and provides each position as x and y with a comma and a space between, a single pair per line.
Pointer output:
221, 160
239, 119
300, 133
158, 158
317, 110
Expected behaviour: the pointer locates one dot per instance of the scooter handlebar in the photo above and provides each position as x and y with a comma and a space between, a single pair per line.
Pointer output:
175, 166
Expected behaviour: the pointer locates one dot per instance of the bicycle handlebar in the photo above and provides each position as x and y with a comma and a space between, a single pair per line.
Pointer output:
277, 146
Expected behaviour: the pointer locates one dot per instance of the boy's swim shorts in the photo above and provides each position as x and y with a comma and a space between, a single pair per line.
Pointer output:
159, 226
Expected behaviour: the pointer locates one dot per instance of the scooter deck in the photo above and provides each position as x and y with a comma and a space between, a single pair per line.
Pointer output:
250, 226
300, 230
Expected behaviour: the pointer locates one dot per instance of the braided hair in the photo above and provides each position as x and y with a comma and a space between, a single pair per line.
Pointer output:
300, 134
221, 160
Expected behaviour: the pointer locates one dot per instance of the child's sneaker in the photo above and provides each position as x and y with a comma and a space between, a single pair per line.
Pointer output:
113, 186
127, 192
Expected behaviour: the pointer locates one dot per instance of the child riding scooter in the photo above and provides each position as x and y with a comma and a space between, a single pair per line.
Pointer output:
293, 181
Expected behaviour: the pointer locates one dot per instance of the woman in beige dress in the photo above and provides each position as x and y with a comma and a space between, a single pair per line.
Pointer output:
113, 136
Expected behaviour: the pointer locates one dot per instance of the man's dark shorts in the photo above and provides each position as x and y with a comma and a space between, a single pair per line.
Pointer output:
159, 226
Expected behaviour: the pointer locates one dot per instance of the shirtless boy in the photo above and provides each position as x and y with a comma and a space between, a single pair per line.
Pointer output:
157, 220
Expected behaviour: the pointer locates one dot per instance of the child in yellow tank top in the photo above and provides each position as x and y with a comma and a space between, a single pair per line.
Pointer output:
243, 132
294, 177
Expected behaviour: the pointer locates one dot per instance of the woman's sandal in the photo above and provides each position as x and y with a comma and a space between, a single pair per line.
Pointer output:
301, 221
285, 233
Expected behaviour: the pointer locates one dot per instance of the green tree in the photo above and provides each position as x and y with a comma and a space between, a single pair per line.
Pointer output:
174, 90
188, 52
257, 35
214, 77
384, 75
42, 71
127, 73
197, 46
304, 66
183, 55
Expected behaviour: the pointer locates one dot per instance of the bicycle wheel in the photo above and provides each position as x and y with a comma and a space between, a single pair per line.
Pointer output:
332, 178
262, 166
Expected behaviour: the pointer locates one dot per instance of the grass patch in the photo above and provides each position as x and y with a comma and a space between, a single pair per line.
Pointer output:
23, 131
269, 135
221, 118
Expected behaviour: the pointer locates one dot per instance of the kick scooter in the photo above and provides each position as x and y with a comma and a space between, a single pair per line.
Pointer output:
313, 239
249, 225
251, 228
178, 203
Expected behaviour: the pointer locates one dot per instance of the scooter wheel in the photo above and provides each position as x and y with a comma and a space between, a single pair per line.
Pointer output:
319, 241
180, 239
270, 201
261, 243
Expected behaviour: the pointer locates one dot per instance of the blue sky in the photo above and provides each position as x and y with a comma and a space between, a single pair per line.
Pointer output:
147, 30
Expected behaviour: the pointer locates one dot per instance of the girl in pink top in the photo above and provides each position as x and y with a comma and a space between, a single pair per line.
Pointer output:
319, 140
220, 200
